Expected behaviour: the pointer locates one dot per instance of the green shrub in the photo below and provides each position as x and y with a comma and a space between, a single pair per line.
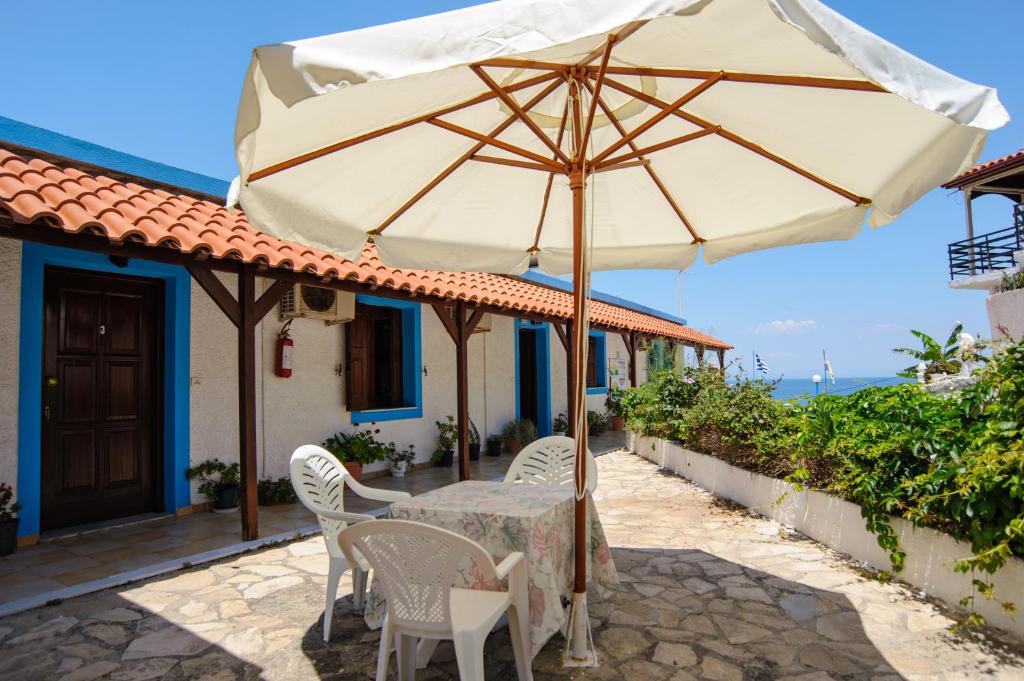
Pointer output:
271, 492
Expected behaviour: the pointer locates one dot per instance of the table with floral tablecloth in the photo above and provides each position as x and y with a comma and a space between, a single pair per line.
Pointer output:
534, 519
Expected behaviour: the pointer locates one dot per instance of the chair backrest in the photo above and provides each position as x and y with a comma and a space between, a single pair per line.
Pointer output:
549, 461
319, 481
416, 565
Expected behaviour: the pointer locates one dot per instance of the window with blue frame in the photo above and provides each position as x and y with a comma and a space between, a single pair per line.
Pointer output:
597, 363
382, 360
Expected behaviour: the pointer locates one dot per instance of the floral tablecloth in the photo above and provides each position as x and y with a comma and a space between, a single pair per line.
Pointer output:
534, 519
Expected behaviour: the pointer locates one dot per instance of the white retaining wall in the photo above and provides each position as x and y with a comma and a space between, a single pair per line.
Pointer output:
838, 524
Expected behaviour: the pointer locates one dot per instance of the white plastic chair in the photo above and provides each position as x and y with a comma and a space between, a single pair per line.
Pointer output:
319, 480
549, 461
416, 565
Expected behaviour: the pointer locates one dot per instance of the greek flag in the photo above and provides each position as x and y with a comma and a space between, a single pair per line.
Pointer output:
760, 365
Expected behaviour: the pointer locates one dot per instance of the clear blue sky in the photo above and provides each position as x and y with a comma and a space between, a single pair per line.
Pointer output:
161, 80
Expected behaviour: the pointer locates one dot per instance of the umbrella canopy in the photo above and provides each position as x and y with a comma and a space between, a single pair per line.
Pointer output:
596, 134
787, 124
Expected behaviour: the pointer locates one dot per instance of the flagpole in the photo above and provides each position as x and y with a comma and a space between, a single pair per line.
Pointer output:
824, 366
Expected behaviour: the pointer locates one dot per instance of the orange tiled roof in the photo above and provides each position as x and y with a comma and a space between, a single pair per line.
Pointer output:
987, 168
34, 190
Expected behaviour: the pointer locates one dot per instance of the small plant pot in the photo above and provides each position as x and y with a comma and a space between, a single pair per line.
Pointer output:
513, 445
474, 451
617, 423
559, 433
355, 469
227, 500
447, 459
494, 448
398, 470
8, 536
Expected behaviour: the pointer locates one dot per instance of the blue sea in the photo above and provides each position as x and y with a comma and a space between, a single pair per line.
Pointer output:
789, 388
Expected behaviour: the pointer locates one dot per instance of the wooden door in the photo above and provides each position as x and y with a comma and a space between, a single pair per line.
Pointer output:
528, 399
101, 397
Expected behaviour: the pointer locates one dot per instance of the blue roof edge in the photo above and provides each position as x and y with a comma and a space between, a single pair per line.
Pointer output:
25, 135
555, 282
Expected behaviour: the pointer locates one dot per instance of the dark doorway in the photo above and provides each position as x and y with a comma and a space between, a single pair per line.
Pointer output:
101, 396
528, 402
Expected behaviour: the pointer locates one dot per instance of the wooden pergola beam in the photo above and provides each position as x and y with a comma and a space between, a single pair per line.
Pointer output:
373, 134
459, 327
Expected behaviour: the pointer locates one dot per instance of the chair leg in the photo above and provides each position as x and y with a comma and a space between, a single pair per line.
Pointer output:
358, 587
406, 654
386, 638
425, 651
519, 632
469, 653
334, 571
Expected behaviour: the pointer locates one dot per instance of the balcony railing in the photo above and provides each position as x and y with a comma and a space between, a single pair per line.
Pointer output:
988, 252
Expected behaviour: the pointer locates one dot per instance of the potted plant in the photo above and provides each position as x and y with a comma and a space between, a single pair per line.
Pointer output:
447, 434
474, 442
401, 460
271, 492
560, 426
518, 434
597, 423
8, 520
494, 445
218, 482
356, 450
614, 404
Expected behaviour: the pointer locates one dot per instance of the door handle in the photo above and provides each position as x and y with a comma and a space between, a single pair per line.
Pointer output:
46, 412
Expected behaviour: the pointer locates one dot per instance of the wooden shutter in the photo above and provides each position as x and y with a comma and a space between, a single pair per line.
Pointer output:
356, 361
591, 362
395, 343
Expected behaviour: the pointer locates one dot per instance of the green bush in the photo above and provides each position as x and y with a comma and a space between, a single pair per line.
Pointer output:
271, 492
951, 462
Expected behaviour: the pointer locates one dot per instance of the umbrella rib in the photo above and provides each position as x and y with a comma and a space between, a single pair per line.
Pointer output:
520, 113
582, 149
438, 179
365, 137
494, 142
664, 113
703, 132
498, 160
739, 140
551, 178
650, 171
742, 77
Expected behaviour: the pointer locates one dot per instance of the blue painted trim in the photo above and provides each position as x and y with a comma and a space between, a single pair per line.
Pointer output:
563, 285
26, 135
412, 361
601, 363
177, 321
542, 338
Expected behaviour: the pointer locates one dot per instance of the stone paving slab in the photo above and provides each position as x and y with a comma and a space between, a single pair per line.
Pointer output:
707, 592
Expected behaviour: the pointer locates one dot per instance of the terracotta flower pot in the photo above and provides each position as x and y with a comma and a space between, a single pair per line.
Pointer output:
355, 469
617, 423
513, 445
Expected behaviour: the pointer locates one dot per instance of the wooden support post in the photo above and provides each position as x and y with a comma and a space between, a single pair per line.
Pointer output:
721, 359
632, 340
699, 351
462, 386
247, 400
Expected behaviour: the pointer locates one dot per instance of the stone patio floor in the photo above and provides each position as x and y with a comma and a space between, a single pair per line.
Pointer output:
707, 592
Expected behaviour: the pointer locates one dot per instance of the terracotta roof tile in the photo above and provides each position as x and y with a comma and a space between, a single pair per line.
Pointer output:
34, 190
988, 167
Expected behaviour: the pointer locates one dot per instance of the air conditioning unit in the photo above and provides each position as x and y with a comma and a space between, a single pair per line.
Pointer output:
483, 326
317, 302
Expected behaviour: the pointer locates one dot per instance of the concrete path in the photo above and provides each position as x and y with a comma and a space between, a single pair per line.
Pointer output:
707, 592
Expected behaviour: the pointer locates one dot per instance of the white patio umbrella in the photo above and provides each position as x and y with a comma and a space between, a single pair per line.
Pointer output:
596, 134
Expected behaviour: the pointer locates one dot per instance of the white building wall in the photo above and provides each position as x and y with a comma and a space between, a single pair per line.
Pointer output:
310, 405
10, 330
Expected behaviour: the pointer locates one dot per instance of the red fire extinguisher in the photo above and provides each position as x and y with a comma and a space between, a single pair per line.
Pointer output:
283, 356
